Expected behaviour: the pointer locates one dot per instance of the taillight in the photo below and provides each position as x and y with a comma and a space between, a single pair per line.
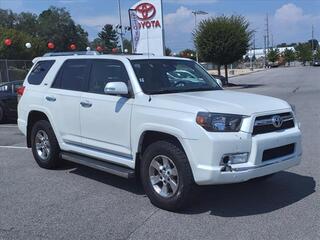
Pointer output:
20, 90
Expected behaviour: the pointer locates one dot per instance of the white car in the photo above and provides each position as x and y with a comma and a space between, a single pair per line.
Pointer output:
122, 115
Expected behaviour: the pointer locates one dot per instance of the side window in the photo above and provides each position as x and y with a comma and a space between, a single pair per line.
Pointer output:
5, 88
72, 75
39, 71
105, 71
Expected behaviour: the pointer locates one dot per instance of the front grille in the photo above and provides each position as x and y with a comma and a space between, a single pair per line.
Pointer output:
264, 124
278, 152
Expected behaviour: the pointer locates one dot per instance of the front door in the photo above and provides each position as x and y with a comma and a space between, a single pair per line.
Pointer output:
105, 119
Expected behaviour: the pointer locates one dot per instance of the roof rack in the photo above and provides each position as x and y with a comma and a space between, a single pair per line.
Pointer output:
55, 54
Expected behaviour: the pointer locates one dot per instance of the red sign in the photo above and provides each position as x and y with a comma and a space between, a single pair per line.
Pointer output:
145, 11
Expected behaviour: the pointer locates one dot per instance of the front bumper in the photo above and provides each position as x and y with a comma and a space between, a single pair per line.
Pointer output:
206, 160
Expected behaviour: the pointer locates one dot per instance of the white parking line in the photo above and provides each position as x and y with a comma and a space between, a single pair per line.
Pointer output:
8, 126
13, 147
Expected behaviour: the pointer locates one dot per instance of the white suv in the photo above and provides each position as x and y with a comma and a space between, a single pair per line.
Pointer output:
136, 115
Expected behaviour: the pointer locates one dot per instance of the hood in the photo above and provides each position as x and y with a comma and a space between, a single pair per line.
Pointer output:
223, 101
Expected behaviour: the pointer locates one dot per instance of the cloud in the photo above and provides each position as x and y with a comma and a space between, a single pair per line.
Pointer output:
292, 24
289, 23
179, 26
290, 13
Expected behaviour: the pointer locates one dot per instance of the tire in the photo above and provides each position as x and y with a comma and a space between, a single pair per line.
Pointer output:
2, 115
172, 197
42, 138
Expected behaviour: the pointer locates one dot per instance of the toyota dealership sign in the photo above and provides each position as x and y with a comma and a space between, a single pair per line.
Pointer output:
146, 21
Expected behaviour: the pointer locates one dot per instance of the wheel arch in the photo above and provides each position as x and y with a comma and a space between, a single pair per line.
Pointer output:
33, 117
150, 136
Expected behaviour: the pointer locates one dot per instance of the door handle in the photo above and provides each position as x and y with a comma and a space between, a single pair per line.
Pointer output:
50, 99
86, 104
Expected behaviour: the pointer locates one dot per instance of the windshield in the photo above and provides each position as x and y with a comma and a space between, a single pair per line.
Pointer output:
158, 76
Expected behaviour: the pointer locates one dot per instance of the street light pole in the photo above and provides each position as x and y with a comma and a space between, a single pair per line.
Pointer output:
195, 13
121, 33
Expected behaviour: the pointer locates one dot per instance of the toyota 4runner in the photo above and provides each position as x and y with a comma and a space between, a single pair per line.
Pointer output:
145, 116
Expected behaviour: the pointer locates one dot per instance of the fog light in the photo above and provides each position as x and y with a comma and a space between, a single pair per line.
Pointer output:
234, 158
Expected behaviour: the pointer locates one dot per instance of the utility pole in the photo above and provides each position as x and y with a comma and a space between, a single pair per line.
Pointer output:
195, 13
312, 42
267, 32
265, 50
121, 32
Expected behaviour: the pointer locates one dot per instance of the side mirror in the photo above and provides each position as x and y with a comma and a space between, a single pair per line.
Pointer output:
116, 88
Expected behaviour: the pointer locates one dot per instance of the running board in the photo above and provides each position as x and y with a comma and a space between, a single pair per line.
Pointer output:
98, 164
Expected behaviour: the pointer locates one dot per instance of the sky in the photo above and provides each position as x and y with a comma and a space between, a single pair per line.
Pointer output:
289, 20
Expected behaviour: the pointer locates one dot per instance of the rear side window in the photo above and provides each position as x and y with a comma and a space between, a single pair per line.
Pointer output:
72, 75
39, 71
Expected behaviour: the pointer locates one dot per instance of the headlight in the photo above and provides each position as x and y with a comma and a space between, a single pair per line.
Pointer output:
219, 122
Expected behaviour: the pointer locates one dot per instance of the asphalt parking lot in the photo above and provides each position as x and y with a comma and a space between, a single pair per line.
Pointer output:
76, 202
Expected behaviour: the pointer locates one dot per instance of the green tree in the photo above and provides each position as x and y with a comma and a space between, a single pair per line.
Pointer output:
7, 18
56, 25
127, 45
27, 22
223, 40
109, 37
168, 51
289, 55
188, 53
304, 52
96, 42
273, 55
18, 50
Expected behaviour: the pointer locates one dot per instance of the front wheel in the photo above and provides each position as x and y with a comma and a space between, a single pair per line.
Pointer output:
45, 147
166, 176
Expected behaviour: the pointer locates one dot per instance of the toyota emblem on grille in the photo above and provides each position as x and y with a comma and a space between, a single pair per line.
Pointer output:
145, 11
277, 121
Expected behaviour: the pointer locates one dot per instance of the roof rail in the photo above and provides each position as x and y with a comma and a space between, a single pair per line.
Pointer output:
54, 54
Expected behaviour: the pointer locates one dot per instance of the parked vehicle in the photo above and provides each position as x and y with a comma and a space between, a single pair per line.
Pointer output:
8, 100
316, 63
123, 115
221, 78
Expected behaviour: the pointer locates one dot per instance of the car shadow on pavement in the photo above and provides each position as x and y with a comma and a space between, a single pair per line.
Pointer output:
251, 198
130, 185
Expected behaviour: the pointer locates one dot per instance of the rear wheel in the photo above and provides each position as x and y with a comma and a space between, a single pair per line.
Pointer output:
45, 147
166, 176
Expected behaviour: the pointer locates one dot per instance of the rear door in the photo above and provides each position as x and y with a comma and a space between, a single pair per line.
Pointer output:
105, 119
63, 99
